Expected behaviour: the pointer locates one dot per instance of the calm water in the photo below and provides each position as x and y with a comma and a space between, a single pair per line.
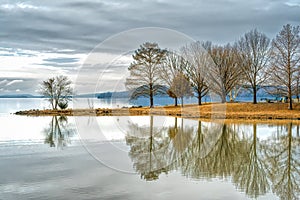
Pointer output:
144, 158
12, 105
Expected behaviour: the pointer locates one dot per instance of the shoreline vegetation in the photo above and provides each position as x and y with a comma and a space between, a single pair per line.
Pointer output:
229, 111
253, 62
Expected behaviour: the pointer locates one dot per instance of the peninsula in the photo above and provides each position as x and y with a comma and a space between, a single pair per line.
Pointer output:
244, 111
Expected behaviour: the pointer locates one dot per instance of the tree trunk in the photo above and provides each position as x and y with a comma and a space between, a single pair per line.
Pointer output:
181, 101
151, 95
199, 100
223, 98
176, 101
290, 102
151, 101
231, 96
290, 99
55, 104
290, 75
254, 94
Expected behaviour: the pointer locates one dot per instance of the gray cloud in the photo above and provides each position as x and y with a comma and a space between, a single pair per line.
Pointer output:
24, 86
66, 63
2, 82
81, 25
13, 82
73, 27
62, 60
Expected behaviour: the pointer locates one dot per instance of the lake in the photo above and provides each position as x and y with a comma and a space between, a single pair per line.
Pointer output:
144, 157
11, 105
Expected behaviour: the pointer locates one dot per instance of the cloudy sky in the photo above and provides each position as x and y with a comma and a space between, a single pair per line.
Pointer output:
40, 39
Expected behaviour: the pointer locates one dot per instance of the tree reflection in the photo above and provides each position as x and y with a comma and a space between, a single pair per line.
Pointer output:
283, 156
195, 164
148, 146
224, 153
156, 150
251, 171
59, 132
214, 150
181, 139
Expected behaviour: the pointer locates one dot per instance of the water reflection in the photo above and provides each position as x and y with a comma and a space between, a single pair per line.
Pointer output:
256, 165
148, 150
59, 132
250, 174
283, 157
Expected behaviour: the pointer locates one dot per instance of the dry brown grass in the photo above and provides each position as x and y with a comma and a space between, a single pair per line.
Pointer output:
242, 111
227, 110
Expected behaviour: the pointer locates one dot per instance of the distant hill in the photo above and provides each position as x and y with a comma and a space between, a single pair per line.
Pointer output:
85, 96
262, 92
104, 95
124, 94
19, 96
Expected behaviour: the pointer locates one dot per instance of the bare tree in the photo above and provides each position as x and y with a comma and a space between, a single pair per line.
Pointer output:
172, 76
181, 87
234, 93
198, 60
285, 60
171, 66
58, 90
224, 74
253, 54
144, 77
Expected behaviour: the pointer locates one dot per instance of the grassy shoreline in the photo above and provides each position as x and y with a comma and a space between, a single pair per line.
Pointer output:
228, 111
